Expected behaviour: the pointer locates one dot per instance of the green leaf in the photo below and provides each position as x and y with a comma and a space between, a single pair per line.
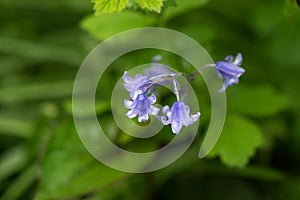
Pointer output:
238, 141
15, 126
12, 161
21, 183
152, 5
109, 6
101, 26
96, 176
36, 91
256, 101
100, 107
68, 170
40, 51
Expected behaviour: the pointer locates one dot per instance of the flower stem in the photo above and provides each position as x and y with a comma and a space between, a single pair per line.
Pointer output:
176, 89
192, 75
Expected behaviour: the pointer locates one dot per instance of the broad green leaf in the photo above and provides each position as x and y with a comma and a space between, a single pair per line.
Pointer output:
68, 170
94, 177
109, 6
101, 26
152, 5
238, 141
259, 101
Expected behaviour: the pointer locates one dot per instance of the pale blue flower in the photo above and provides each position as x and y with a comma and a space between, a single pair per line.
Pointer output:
157, 69
230, 70
136, 83
178, 116
141, 106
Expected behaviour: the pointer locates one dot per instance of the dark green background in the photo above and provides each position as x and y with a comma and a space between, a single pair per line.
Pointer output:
42, 44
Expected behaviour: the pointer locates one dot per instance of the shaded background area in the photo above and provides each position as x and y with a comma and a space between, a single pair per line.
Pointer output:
42, 44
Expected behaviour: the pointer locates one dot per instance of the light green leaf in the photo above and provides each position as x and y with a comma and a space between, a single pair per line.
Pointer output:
15, 126
101, 26
40, 51
256, 100
238, 141
36, 91
100, 107
109, 6
152, 5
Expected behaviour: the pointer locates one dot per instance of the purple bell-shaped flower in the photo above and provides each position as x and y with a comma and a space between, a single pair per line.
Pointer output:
230, 70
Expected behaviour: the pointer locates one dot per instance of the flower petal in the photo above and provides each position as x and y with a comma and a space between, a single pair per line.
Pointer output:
238, 59
165, 109
178, 116
229, 58
152, 98
164, 120
230, 70
224, 87
132, 84
143, 118
126, 78
135, 94
195, 117
153, 110
233, 80
128, 103
156, 58
132, 113
176, 127
141, 106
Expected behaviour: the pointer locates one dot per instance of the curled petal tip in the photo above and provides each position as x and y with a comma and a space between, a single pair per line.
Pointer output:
238, 59
128, 103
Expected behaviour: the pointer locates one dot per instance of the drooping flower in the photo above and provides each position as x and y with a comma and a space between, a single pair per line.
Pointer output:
230, 70
136, 83
178, 116
141, 106
156, 68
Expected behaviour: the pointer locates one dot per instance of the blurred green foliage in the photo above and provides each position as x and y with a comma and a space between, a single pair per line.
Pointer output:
42, 44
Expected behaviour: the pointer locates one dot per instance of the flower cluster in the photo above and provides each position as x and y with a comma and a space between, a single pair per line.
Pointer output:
142, 98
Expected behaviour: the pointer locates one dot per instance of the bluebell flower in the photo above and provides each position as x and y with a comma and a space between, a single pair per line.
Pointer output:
141, 106
156, 70
136, 83
178, 116
230, 70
